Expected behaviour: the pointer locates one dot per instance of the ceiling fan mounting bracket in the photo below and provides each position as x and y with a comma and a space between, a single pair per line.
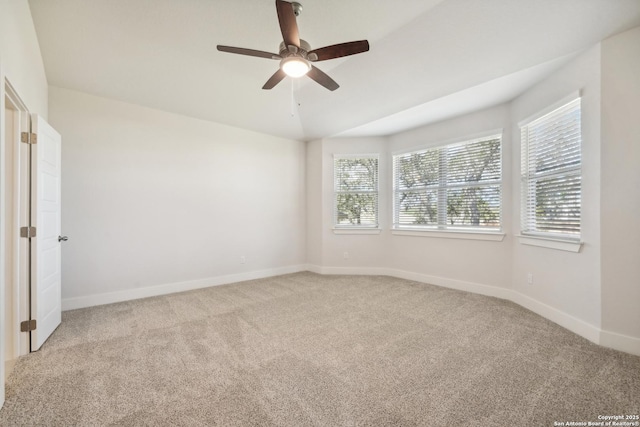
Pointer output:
297, 8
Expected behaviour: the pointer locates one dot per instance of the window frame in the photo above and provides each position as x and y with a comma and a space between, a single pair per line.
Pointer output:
442, 229
355, 228
562, 241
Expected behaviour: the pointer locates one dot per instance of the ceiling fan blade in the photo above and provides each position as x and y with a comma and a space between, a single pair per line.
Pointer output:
275, 79
248, 52
322, 78
288, 24
340, 50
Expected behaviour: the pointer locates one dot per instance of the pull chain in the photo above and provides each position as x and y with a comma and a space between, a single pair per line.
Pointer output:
295, 104
293, 100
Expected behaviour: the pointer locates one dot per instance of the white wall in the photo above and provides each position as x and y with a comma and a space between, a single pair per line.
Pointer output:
20, 58
437, 260
20, 64
315, 211
469, 261
567, 282
594, 292
483, 266
152, 199
620, 199
364, 251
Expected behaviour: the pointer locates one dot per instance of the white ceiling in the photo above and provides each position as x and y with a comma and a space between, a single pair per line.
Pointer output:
429, 59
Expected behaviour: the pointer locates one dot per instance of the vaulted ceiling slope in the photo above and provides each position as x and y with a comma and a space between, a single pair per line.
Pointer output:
429, 59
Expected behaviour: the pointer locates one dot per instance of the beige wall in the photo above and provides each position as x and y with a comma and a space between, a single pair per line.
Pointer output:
620, 198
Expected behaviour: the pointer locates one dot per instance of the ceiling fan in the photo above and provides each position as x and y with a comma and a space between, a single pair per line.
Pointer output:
295, 54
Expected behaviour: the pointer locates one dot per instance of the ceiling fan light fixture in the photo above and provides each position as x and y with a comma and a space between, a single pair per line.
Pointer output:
295, 54
295, 66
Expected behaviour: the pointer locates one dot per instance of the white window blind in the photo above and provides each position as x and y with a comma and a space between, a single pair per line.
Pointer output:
356, 191
451, 187
551, 174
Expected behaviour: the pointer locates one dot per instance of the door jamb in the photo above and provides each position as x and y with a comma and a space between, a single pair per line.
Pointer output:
20, 301
21, 211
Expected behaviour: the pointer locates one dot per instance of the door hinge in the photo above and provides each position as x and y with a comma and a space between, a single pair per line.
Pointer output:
28, 232
29, 138
28, 325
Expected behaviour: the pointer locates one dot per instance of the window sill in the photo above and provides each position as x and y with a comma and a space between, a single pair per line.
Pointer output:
357, 230
545, 242
494, 236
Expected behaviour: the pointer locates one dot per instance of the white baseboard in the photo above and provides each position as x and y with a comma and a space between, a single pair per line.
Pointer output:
352, 271
493, 291
170, 288
620, 342
563, 319
461, 285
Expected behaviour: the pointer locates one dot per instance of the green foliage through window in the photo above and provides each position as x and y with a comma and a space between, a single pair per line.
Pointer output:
356, 191
450, 187
551, 173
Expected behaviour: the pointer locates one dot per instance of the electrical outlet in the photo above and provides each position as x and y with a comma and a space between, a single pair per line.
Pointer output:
243, 260
530, 278
345, 255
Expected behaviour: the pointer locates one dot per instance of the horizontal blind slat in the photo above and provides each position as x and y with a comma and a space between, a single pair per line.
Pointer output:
551, 176
356, 191
452, 186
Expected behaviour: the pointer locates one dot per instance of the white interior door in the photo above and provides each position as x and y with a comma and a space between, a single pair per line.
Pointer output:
46, 289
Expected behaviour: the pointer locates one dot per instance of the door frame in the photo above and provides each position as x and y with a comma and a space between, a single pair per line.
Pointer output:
19, 207
21, 216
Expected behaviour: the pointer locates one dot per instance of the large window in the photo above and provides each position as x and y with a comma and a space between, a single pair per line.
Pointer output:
551, 174
451, 187
356, 191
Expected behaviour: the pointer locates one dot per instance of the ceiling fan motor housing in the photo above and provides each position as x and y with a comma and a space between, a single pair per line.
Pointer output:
295, 60
294, 50
301, 52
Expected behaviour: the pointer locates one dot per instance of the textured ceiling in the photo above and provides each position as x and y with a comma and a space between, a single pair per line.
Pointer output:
429, 59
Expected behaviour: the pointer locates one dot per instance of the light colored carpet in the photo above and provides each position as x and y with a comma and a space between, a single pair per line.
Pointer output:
310, 350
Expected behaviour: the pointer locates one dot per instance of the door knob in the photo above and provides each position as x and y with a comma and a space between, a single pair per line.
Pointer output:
62, 238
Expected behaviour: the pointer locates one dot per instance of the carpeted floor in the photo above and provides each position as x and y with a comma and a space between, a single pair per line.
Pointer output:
310, 350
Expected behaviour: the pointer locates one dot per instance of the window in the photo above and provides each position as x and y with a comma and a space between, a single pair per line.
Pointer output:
356, 191
551, 174
451, 187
